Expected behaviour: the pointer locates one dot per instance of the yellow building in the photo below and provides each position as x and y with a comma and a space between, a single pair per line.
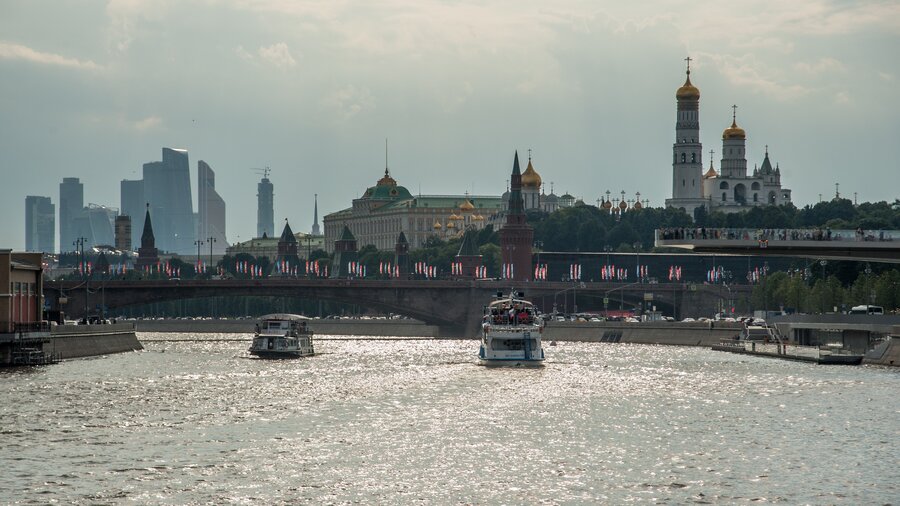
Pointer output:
386, 209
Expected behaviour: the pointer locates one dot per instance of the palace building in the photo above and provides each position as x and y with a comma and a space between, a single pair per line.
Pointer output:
730, 189
386, 209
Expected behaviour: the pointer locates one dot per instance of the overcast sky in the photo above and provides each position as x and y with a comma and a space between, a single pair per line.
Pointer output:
94, 89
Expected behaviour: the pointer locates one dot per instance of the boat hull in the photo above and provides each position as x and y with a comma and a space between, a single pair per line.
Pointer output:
279, 354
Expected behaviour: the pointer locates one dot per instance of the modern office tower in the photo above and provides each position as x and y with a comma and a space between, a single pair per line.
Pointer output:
123, 233
40, 224
265, 211
210, 210
167, 188
96, 224
132, 204
71, 201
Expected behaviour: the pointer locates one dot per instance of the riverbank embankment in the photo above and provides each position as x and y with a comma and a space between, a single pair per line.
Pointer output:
669, 333
77, 341
348, 327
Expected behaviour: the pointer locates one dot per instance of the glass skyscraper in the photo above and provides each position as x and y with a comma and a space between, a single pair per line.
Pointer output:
40, 224
167, 188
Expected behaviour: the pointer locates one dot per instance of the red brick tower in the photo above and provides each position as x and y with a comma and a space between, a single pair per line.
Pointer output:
516, 236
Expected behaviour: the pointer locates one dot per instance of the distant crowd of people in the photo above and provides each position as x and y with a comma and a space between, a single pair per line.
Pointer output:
515, 314
774, 234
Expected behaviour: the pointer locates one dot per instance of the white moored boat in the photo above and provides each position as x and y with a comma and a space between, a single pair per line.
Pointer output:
511, 332
282, 336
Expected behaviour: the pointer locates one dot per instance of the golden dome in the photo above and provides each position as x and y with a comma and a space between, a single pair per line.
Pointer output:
711, 172
637, 205
454, 217
530, 178
451, 225
437, 225
387, 180
688, 91
478, 217
466, 205
623, 205
607, 205
734, 132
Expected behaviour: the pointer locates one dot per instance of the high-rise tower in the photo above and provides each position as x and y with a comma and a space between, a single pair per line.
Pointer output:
40, 224
210, 209
131, 203
167, 186
516, 236
71, 202
265, 208
687, 162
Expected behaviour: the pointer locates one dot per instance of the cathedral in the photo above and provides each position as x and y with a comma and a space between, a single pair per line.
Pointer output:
730, 189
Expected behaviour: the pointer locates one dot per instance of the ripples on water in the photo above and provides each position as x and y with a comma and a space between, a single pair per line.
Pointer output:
419, 421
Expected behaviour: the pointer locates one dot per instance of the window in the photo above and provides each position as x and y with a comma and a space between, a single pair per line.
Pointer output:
724, 196
683, 183
693, 157
755, 197
723, 185
683, 157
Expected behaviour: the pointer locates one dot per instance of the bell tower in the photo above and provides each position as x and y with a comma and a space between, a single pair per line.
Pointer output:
687, 162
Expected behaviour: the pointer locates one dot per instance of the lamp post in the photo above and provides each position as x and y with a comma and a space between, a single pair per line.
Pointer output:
210, 240
199, 243
869, 294
79, 243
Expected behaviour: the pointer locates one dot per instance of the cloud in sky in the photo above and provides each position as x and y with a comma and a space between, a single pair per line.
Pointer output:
277, 54
11, 51
312, 88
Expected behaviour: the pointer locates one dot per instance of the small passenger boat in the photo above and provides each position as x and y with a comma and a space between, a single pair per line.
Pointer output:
282, 335
511, 332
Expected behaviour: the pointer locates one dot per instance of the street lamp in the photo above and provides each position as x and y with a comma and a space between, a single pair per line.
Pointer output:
199, 243
210, 240
869, 290
79, 243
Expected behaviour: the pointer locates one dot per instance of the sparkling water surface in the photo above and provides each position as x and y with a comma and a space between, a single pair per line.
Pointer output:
419, 421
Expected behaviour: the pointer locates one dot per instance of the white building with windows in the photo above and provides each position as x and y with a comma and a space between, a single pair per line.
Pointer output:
729, 190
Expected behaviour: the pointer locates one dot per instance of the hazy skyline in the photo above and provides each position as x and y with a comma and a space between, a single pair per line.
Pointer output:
311, 89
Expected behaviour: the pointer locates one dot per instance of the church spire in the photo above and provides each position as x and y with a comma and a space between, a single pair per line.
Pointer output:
315, 225
147, 238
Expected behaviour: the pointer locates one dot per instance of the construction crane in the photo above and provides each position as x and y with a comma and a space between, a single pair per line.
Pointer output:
265, 172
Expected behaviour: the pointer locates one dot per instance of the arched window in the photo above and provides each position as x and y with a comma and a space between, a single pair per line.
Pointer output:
693, 157
754, 186
683, 157
724, 196
723, 185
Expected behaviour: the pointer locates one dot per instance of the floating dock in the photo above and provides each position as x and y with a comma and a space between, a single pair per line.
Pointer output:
790, 352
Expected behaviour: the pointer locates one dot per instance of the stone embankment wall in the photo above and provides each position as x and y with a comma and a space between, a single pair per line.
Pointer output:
402, 328
75, 341
886, 353
672, 333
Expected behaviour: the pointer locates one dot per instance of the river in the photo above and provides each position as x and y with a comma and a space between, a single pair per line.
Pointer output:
418, 421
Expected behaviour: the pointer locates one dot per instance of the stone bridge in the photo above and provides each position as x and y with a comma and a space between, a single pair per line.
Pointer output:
455, 306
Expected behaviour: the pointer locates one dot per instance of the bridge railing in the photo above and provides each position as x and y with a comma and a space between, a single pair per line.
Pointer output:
775, 234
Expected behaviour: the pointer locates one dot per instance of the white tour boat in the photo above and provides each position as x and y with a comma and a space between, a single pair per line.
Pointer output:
511, 332
282, 336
